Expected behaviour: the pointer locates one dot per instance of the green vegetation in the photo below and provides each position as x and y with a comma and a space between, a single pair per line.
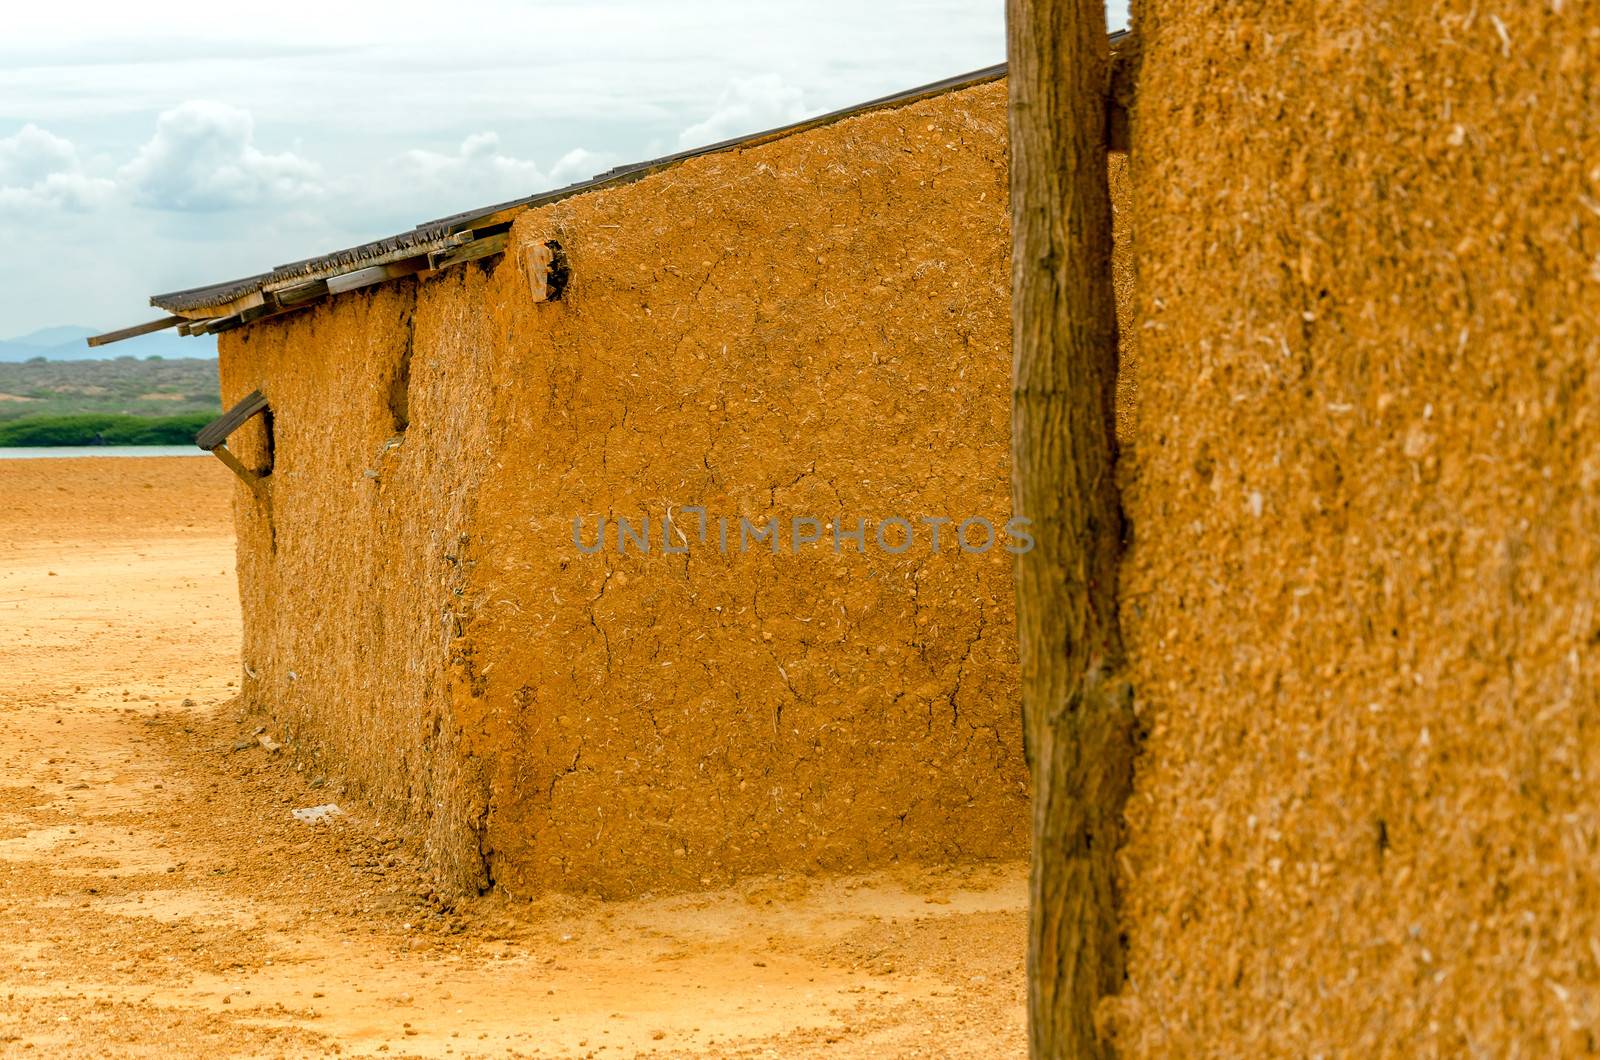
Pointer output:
101, 429
124, 386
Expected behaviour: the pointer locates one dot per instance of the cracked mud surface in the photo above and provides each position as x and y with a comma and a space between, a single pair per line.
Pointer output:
157, 897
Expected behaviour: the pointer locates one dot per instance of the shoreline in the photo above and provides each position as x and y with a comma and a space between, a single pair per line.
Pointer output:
95, 452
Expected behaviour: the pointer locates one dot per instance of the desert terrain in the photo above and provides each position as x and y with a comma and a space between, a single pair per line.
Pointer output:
158, 897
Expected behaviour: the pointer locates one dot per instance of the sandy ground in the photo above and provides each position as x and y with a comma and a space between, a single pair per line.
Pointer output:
158, 898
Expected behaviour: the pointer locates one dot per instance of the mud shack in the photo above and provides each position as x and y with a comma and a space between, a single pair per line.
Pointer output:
655, 531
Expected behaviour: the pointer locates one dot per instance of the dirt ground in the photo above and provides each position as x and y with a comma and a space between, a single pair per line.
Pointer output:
157, 897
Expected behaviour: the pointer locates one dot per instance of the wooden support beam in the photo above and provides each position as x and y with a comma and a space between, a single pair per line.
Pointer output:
478, 248
353, 281
223, 309
214, 435
217, 431
249, 316
299, 293
248, 477
135, 331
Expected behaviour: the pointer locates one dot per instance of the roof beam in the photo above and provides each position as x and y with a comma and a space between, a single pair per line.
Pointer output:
478, 248
354, 281
300, 293
134, 332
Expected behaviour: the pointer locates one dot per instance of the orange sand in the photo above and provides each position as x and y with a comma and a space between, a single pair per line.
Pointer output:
156, 897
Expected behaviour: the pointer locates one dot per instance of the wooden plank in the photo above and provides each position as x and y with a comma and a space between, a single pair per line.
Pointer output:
216, 432
237, 305
135, 331
502, 216
404, 261
249, 316
300, 293
478, 248
353, 281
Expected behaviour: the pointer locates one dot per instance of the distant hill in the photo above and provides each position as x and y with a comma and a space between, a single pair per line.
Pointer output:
124, 386
66, 343
57, 336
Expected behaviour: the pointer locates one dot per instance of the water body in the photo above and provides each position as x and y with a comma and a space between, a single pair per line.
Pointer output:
35, 452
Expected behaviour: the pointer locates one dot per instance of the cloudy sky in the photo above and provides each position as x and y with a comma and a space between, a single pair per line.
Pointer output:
154, 146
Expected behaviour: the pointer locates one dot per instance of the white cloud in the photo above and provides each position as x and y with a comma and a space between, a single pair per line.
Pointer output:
747, 105
39, 169
478, 164
479, 172
33, 154
203, 158
581, 164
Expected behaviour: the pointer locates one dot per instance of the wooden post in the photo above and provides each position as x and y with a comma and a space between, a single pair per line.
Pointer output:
1077, 710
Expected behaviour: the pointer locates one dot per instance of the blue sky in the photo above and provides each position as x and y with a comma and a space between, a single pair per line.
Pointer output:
162, 145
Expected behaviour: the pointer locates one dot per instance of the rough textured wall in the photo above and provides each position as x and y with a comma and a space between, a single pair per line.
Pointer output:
351, 588
1362, 593
818, 327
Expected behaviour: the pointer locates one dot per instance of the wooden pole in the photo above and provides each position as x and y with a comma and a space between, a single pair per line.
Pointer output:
135, 331
1077, 710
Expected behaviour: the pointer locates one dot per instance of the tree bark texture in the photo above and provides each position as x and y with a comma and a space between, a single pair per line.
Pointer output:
1077, 710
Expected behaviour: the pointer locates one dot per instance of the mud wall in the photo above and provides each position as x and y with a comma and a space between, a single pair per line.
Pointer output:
351, 568
817, 328
814, 328
1362, 595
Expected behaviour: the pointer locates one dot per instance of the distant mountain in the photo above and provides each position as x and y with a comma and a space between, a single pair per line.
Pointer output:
66, 343
57, 336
